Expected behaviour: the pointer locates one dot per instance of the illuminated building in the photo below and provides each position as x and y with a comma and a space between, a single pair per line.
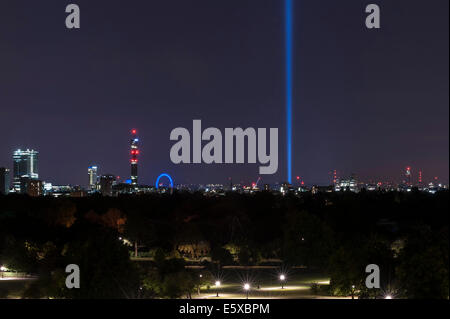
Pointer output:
106, 184
408, 176
35, 188
134, 157
92, 172
347, 184
4, 181
25, 166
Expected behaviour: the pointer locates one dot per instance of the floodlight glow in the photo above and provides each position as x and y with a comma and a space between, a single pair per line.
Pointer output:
282, 277
388, 297
217, 283
247, 287
3, 268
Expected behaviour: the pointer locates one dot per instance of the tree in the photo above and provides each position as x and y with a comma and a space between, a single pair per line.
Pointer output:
105, 268
221, 256
423, 266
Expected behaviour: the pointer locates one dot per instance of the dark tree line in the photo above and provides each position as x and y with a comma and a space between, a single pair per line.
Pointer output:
406, 234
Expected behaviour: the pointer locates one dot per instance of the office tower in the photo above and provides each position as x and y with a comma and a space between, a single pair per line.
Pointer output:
92, 172
4, 181
106, 184
25, 166
408, 176
35, 188
134, 157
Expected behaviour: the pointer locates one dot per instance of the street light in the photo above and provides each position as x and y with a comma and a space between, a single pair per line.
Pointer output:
2, 270
247, 288
353, 291
282, 279
388, 297
217, 287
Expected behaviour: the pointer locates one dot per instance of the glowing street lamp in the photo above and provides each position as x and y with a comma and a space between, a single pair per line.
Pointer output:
247, 288
388, 297
353, 291
282, 279
3, 269
217, 287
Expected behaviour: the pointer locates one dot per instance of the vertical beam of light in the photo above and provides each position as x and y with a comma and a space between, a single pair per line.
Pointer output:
289, 49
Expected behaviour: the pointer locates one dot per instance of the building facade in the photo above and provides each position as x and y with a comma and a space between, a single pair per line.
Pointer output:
106, 184
25, 166
4, 180
92, 173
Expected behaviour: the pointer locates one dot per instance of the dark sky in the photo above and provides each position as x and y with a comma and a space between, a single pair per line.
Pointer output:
366, 101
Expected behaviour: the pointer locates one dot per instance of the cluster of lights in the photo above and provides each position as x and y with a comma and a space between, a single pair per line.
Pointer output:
247, 287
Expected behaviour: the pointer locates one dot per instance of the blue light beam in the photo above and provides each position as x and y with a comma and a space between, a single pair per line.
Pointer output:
289, 50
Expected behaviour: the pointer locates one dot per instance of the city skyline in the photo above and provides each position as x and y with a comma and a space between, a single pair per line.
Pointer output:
29, 168
363, 102
190, 152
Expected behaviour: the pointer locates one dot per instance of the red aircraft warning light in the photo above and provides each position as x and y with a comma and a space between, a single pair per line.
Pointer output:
134, 157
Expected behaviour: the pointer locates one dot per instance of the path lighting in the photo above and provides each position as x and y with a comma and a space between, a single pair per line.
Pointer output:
247, 288
217, 287
282, 279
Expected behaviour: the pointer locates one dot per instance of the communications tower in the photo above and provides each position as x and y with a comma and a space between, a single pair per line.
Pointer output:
134, 157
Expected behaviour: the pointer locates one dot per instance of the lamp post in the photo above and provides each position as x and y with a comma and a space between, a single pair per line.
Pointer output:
3, 269
353, 291
247, 288
217, 287
282, 279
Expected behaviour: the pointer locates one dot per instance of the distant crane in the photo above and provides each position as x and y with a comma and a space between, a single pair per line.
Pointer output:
255, 185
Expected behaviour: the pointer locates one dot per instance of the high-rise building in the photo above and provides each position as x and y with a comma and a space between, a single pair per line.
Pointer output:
106, 184
25, 166
4, 181
35, 188
408, 176
92, 172
134, 157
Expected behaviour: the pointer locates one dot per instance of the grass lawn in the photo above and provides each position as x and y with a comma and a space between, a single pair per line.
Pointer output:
264, 284
12, 287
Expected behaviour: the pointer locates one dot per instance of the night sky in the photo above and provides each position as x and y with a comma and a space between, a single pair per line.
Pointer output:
369, 102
